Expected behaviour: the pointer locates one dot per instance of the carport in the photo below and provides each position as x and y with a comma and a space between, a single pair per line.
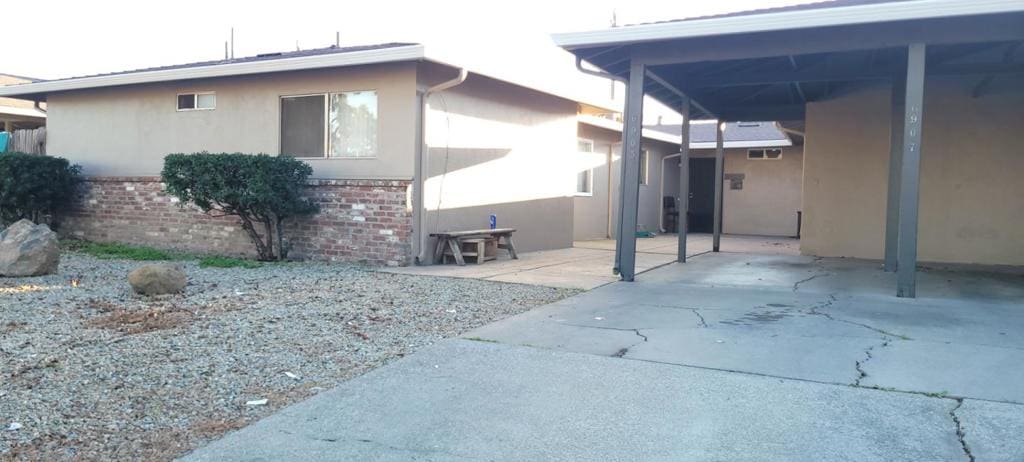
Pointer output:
771, 64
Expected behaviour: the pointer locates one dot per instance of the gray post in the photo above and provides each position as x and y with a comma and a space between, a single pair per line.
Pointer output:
906, 275
625, 243
892, 212
719, 179
684, 180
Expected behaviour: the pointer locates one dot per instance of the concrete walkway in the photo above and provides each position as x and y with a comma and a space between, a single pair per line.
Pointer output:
588, 264
728, 357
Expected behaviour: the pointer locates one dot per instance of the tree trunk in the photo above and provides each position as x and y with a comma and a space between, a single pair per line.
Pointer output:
264, 253
281, 251
269, 237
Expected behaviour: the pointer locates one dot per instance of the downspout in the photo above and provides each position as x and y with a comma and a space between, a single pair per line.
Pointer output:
422, 167
605, 75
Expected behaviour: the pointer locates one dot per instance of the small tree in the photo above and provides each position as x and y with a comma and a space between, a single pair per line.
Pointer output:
35, 186
261, 190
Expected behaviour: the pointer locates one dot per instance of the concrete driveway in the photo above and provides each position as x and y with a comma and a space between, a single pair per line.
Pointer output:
728, 357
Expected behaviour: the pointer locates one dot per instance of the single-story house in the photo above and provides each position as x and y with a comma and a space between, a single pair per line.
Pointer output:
764, 163
18, 113
22, 123
910, 110
401, 145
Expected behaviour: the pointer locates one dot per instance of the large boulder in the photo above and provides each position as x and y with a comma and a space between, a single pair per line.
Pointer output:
28, 249
158, 279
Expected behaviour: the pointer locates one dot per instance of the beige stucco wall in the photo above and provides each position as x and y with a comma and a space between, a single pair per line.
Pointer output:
128, 130
591, 218
770, 199
590, 212
504, 150
971, 207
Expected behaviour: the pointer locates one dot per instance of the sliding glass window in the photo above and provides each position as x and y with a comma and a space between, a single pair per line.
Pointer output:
333, 125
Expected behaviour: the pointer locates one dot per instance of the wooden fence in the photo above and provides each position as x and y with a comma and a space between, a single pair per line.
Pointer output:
28, 141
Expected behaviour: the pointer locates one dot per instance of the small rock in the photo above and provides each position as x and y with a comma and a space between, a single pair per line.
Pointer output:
257, 402
28, 249
157, 279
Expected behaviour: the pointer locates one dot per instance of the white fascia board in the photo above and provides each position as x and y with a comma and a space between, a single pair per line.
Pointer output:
353, 58
745, 144
785, 20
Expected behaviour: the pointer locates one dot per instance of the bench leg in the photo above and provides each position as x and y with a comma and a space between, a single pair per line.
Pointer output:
456, 247
439, 250
510, 247
481, 248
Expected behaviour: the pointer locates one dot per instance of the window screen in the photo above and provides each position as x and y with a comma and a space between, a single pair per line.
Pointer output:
302, 126
187, 101
762, 154
206, 101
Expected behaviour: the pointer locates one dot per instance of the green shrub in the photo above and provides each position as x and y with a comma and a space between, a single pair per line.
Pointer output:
35, 187
227, 262
261, 190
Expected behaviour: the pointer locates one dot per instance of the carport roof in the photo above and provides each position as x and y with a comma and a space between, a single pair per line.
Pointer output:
767, 64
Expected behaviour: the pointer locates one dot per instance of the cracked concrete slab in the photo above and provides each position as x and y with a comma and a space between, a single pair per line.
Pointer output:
779, 356
958, 321
959, 369
842, 276
558, 336
992, 431
465, 400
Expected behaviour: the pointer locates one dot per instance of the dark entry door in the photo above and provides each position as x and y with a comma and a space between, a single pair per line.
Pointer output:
701, 217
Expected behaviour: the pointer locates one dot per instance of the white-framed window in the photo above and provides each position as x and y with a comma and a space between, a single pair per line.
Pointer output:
330, 125
199, 101
585, 178
764, 154
645, 166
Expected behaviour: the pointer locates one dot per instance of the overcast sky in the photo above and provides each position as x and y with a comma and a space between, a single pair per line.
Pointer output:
63, 38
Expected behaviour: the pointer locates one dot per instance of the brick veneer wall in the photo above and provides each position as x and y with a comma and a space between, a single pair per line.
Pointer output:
359, 221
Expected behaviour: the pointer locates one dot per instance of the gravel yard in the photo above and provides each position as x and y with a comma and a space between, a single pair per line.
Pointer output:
95, 372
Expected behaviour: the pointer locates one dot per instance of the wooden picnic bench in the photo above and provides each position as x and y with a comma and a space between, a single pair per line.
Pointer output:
500, 238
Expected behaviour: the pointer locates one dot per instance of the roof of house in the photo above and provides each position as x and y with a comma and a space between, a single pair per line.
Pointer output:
702, 134
736, 134
29, 112
18, 77
821, 14
316, 58
609, 124
812, 5
262, 57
